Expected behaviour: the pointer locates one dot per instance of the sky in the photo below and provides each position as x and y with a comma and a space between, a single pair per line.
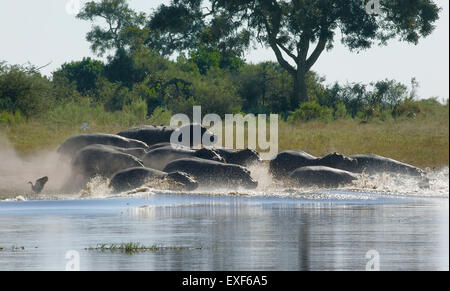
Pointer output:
47, 31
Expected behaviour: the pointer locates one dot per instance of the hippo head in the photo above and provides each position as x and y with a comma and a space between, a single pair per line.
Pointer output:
205, 134
209, 154
250, 156
242, 175
339, 161
183, 181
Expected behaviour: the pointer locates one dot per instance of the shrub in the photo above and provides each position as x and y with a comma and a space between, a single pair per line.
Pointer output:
311, 111
341, 111
11, 119
160, 116
23, 89
408, 108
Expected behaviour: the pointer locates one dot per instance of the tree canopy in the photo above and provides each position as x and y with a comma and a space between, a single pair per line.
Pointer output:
297, 31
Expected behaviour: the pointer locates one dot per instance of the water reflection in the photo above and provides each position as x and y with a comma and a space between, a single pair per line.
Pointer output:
226, 233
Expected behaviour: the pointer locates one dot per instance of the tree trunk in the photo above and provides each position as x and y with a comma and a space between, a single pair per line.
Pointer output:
300, 94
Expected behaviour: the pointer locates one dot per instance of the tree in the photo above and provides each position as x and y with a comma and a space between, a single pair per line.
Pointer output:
24, 90
85, 74
291, 27
124, 27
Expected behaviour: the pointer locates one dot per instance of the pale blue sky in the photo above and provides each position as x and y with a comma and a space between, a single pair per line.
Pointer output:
43, 31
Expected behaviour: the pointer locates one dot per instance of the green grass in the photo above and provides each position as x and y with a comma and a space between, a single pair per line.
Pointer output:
133, 248
423, 141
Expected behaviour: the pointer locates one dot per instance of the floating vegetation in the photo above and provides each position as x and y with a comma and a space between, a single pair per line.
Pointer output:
13, 249
133, 248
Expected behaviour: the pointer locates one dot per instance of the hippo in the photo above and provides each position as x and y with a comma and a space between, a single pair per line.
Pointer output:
212, 173
92, 161
164, 145
286, 162
136, 152
152, 135
321, 176
157, 159
243, 157
372, 163
72, 145
133, 178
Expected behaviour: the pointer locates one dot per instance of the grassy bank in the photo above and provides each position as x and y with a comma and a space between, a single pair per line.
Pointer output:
422, 141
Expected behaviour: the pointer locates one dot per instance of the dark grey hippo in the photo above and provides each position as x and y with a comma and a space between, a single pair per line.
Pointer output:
160, 157
371, 163
321, 176
92, 161
215, 174
133, 178
243, 157
136, 152
163, 145
286, 162
152, 135
72, 145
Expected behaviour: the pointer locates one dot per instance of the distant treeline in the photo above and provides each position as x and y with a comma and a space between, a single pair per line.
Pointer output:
145, 83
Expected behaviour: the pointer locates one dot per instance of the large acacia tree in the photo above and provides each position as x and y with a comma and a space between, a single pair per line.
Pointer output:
298, 31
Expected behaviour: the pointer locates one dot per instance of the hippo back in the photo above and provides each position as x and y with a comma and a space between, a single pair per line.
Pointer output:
75, 143
321, 176
94, 161
372, 163
338, 161
285, 162
243, 157
152, 135
133, 178
149, 134
160, 157
212, 173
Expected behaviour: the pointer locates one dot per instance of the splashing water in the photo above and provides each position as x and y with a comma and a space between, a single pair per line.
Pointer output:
15, 172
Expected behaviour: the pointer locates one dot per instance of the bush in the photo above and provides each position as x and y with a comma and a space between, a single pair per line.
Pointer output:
25, 90
10, 119
160, 116
409, 109
341, 111
311, 111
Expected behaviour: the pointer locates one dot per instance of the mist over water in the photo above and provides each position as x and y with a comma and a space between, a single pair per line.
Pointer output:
16, 171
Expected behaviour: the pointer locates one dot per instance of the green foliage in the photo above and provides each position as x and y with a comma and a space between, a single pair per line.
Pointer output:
123, 69
216, 95
85, 74
289, 28
206, 58
408, 108
25, 90
11, 119
124, 27
311, 111
264, 88
160, 116
341, 111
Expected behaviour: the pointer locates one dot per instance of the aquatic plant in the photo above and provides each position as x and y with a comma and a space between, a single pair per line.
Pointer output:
136, 247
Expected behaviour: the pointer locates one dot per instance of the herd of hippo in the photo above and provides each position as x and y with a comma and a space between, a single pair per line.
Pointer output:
137, 156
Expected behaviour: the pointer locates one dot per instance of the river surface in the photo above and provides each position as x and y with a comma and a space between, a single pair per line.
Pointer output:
321, 230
